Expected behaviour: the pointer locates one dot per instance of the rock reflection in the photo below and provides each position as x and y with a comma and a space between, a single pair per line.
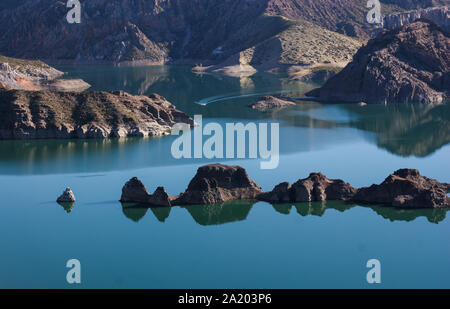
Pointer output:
236, 211
220, 213
406, 129
68, 207
134, 212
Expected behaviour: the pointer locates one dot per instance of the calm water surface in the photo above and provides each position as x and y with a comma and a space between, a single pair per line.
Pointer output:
238, 244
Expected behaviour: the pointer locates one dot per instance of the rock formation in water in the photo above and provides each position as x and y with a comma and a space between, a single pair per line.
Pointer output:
409, 64
316, 187
35, 75
438, 15
266, 103
406, 188
66, 197
218, 183
134, 191
47, 114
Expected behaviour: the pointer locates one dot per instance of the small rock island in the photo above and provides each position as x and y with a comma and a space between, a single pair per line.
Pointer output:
267, 103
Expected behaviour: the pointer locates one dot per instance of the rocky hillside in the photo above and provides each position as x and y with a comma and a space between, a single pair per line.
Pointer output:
409, 64
45, 114
159, 31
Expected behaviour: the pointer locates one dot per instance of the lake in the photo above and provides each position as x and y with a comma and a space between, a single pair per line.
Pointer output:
238, 244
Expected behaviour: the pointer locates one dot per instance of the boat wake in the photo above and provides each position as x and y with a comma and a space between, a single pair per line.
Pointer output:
226, 97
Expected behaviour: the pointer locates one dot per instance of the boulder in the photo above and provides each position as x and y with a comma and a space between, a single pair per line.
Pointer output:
66, 197
217, 183
406, 188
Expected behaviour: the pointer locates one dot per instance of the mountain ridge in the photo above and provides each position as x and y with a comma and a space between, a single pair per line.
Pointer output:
164, 31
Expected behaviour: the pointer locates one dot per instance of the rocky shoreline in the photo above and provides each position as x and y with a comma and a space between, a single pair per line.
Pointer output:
68, 115
218, 183
35, 75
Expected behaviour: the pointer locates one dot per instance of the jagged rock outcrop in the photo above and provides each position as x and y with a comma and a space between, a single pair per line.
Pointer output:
438, 15
316, 187
409, 64
47, 114
66, 197
406, 188
270, 102
218, 183
134, 191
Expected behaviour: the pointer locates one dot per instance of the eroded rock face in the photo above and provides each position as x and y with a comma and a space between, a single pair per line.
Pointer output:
316, 187
134, 191
66, 197
409, 64
217, 183
48, 114
406, 188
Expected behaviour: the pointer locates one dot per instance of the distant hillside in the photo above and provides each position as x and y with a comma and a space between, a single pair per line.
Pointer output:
161, 31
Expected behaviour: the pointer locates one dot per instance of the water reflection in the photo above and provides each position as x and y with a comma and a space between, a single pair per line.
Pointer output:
402, 129
239, 210
68, 207
220, 213
136, 212
406, 129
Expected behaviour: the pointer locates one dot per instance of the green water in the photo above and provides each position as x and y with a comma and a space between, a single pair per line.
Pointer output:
235, 245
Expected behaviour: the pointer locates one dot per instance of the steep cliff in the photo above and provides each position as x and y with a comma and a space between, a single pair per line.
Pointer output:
409, 64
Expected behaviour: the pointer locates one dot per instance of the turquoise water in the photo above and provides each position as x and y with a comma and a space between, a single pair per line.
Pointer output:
235, 245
